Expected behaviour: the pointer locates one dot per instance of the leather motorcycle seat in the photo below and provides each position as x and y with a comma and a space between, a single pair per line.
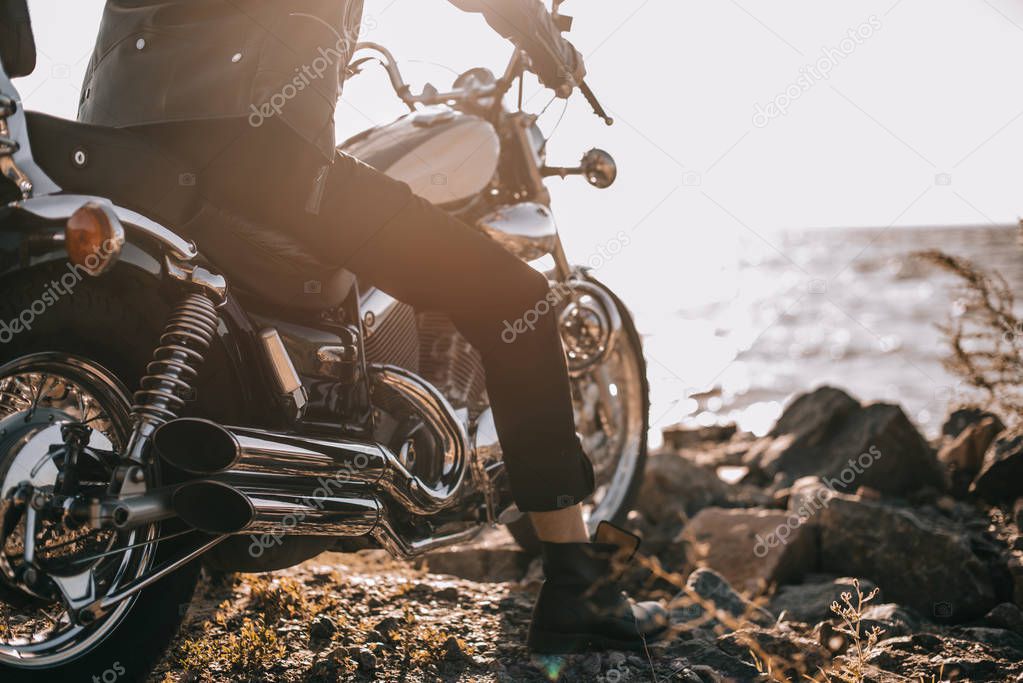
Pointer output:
265, 266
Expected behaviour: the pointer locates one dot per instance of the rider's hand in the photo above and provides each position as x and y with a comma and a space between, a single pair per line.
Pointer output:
529, 24
565, 77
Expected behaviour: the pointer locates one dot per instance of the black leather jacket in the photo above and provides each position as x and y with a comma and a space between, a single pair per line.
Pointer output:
158, 61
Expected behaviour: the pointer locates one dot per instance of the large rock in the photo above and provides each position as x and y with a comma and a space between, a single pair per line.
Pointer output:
999, 637
751, 548
1015, 567
802, 432
878, 447
1007, 616
1001, 477
963, 455
923, 655
705, 653
680, 436
788, 656
708, 599
811, 601
926, 563
810, 419
893, 620
828, 434
674, 488
962, 418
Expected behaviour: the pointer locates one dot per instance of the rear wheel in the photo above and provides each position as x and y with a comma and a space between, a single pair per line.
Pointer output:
71, 367
612, 409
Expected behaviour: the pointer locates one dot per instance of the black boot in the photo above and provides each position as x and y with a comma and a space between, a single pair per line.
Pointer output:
580, 607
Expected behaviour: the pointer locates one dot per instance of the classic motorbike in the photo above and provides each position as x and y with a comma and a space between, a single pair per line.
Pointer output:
239, 401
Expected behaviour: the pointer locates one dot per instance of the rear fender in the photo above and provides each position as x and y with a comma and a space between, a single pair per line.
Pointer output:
32, 237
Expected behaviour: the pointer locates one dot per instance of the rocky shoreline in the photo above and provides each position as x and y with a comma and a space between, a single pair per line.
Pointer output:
842, 546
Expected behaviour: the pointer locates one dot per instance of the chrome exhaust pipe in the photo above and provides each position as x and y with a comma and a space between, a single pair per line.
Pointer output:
205, 448
241, 456
213, 507
219, 508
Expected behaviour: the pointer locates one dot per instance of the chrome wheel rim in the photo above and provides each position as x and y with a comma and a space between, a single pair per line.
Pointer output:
609, 406
44, 391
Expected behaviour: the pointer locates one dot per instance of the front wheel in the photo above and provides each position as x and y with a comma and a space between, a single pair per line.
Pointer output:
612, 406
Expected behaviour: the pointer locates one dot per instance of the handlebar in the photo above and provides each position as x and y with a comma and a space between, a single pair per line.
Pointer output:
430, 95
598, 108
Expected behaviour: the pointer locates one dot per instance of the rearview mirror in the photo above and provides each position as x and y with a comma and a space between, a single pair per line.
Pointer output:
600, 168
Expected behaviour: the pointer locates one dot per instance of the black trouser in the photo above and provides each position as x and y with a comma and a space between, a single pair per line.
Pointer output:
375, 227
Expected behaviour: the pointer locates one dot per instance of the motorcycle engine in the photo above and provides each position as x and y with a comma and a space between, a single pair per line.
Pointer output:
429, 345
451, 364
415, 427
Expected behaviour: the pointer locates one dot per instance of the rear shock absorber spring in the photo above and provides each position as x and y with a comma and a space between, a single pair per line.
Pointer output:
176, 362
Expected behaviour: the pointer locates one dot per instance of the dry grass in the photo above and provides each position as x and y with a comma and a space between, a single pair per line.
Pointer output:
257, 634
772, 666
253, 649
985, 338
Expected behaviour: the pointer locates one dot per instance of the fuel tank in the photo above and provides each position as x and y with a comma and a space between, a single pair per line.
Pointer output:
445, 156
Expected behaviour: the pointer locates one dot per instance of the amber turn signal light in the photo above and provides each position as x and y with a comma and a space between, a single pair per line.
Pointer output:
93, 238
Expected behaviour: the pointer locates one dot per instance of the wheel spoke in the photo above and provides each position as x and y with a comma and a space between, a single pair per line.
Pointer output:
38, 396
47, 457
117, 551
52, 571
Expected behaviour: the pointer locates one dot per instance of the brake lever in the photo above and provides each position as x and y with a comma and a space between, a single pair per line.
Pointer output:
598, 109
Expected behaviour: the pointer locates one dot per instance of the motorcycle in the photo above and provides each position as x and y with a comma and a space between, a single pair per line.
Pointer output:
279, 409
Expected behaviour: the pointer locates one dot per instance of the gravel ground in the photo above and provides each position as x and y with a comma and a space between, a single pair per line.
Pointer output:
366, 617
360, 616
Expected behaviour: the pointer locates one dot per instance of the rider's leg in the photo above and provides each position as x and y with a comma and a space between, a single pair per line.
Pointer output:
358, 218
363, 220
561, 526
419, 254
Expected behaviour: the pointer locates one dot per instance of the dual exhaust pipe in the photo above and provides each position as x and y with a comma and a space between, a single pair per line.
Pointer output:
250, 480
255, 481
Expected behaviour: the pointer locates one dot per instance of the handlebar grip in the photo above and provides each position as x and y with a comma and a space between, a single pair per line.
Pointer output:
598, 109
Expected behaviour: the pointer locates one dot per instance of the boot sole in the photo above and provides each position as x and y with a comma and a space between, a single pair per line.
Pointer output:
549, 643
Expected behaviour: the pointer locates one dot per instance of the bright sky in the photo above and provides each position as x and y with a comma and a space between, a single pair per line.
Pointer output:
928, 93
896, 112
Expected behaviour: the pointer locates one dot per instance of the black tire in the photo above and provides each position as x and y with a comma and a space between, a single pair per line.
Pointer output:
522, 529
114, 321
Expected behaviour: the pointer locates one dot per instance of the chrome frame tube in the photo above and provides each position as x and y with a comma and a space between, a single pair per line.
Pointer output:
38, 183
99, 607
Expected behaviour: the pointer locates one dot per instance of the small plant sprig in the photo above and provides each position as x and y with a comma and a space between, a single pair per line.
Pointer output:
852, 668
